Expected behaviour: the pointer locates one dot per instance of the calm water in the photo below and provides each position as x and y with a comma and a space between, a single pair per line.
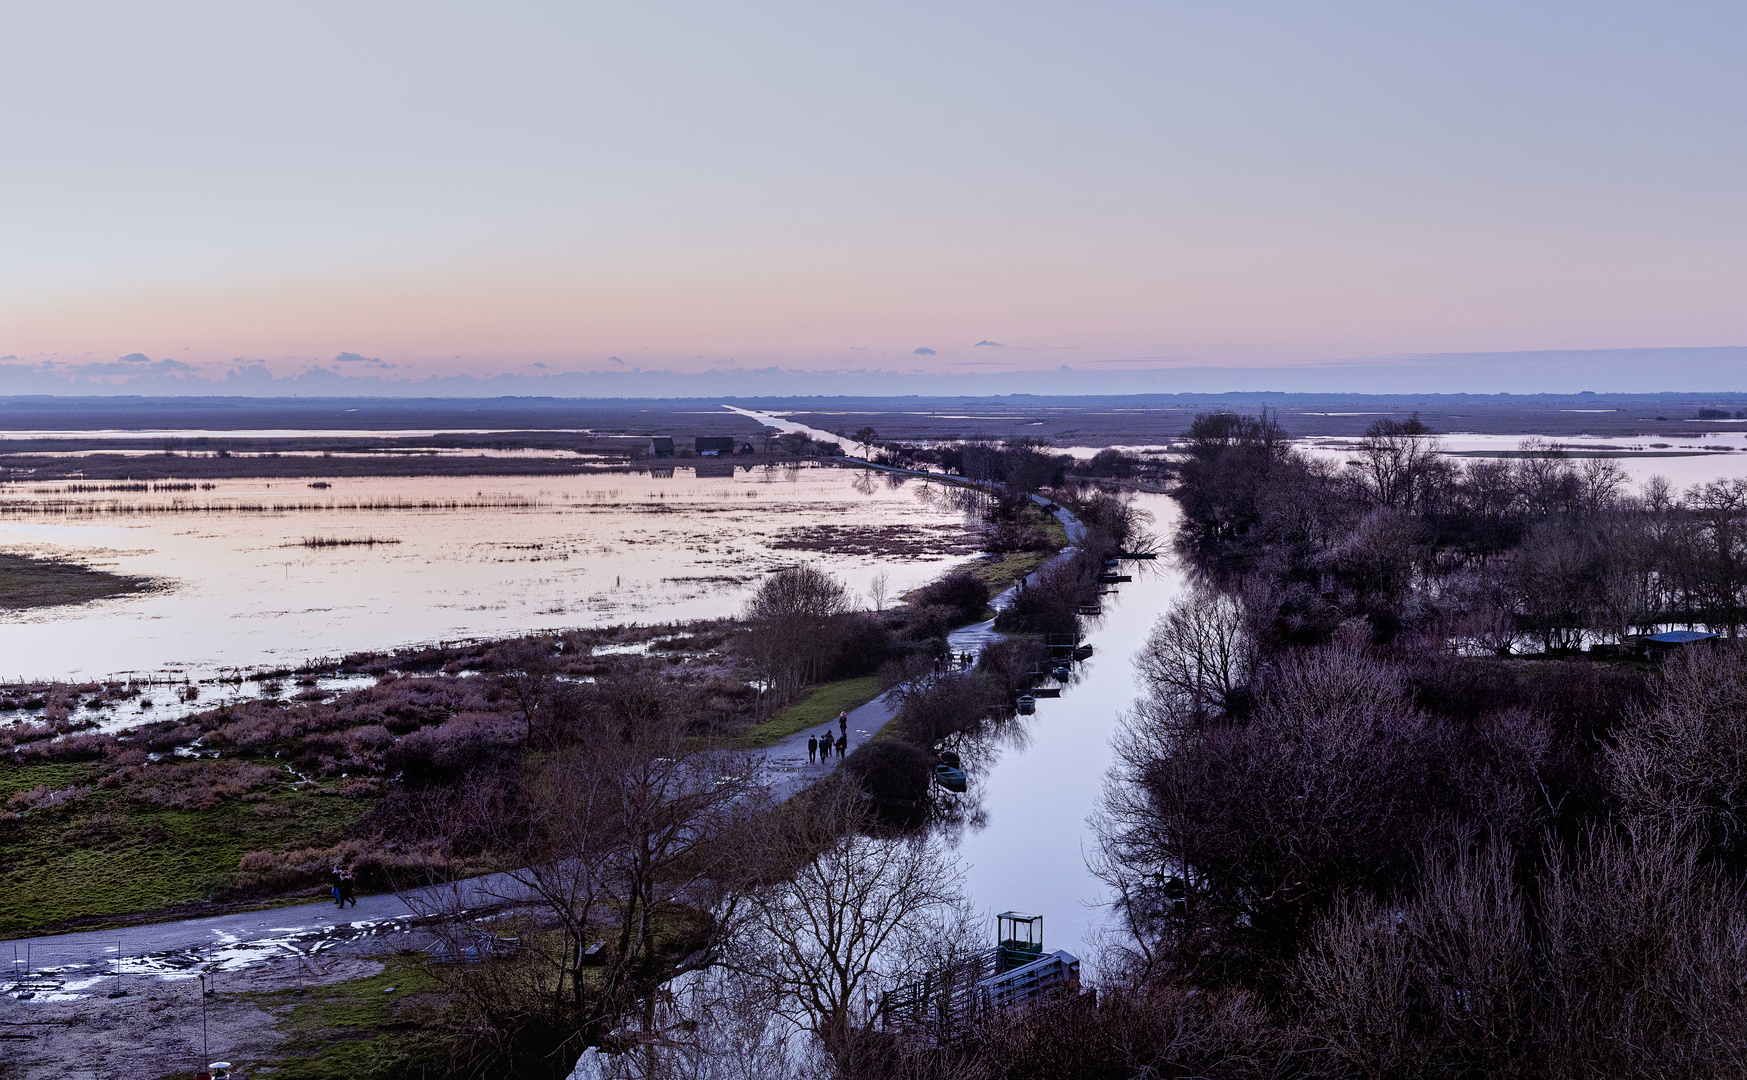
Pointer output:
475, 557
1025, 840
1684, 460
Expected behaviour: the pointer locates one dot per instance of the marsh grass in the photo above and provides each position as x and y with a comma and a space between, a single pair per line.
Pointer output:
344, 541
31, 583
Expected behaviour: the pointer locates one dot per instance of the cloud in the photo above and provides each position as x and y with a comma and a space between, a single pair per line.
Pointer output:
537, 364
924, 351
615, 360
996, 344
367, 361
131, 364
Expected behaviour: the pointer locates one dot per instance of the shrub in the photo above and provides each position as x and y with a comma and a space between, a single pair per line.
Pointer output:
895, 775
964, 593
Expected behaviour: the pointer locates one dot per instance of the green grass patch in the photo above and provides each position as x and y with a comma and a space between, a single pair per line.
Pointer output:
818, 708
357, 1031
106, 855
57, 775
30, 583
1002, 572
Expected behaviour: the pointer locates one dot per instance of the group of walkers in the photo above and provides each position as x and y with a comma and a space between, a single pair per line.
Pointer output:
953, 661
820, 746
341, 886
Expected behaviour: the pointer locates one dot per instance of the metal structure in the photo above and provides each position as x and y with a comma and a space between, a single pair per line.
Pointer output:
945, 1005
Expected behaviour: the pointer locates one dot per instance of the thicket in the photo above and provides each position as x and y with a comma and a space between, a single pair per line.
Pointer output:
1354, 833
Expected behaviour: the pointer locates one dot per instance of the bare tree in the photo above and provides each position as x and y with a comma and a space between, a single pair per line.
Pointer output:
634, 825
1400, 464
1682, 761
1200, 652
879, 589
794, 616
859, 915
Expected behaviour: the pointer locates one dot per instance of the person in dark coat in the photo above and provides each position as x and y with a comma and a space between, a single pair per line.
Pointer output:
334, 887
348, 885
812, 749
843, 723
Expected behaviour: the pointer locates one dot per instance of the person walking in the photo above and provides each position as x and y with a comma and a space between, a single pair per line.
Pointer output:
334, 886
843, 722
348, 885
843, 746
812, 749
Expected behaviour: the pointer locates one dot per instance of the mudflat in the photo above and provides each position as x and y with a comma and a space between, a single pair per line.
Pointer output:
27, 582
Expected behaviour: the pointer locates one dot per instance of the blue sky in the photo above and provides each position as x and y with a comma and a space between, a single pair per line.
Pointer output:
524, 190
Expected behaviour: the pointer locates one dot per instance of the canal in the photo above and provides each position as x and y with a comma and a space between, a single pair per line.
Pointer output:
1022, 829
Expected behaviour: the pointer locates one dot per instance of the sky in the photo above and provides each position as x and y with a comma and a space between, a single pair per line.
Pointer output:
1315, 196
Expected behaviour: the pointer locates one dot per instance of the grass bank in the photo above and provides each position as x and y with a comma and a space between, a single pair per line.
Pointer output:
818, 708
106, 855
1009, 567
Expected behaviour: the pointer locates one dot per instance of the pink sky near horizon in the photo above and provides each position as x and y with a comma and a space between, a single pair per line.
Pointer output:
456, 190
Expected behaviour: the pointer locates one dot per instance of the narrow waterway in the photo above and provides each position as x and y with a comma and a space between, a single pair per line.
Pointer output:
1023, 833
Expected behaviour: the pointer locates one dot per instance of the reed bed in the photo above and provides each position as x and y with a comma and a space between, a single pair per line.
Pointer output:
344, 541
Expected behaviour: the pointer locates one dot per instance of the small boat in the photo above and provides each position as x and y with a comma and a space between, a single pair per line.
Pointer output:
949, 757
1081, 652
1026, 704
1063, 673
950, 777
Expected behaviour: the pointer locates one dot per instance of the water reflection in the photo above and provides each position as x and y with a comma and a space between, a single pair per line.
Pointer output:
1020, 827
476, 557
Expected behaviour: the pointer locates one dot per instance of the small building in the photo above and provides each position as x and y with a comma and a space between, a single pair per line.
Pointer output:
715, 445
661, 446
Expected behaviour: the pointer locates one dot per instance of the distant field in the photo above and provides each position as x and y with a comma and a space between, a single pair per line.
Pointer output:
32, 583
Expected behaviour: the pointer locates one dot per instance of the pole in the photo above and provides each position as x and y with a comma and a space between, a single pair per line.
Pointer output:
205, 1054
118, 991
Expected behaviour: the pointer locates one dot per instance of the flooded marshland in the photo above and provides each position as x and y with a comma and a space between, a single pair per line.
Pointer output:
258, 574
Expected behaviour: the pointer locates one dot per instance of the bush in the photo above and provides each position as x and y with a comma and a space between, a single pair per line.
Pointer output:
895, 775
966, 594
440, 755
865, 642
